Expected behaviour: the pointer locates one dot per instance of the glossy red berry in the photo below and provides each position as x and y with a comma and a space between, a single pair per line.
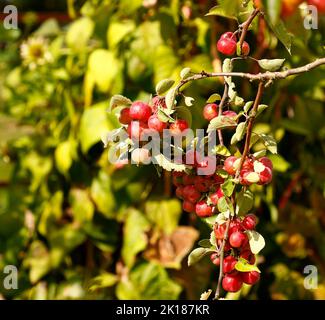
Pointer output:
125, 116
179, 192
226, 45
202, 184
249, 222
229, 264
188, 179
178, 127
140, 111
245, 49
136, 129
267, 162
157, 103
214, 197
188, 206
155, 124
229, 113
319, 4
231, 164
191, 194
228, 35
215, 259
210, 111
237, 239
250, 277
203, 210
265, 176
232, 282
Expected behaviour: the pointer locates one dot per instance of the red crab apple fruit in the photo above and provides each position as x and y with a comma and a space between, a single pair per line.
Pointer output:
249, 222
179, 192
188, 206
229, 264
215, 259
191, 194
232, 282
245, 49
203, 210
227, 44
250, 277
125, 116
136, 128
178, 127
214, 197
210, 111
155, 124
231, 164
229, 114
319, 4
140, 111
237, 239
141, 155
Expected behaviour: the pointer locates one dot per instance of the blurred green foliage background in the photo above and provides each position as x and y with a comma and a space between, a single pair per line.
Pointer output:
77, 226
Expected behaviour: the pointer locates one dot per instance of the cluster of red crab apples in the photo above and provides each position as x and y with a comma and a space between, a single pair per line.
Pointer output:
236, 247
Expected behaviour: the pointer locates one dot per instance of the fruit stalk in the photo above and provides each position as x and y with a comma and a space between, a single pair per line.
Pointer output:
250, 126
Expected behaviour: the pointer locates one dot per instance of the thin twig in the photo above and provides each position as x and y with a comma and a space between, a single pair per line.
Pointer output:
221, 257
254, 77
246, 25
221, 105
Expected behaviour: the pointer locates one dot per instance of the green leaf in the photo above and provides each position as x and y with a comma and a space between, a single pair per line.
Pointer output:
118, 31
228, 187
245, 201
197, 254
248, 105
219, 11
135, 239
269, 142
163, 86
273, 9
164, 214
79, 33
221, 122
184, 113
117, 101
239, 134
64, 154
214, 97
148, 281
162, 116
94, 124
213, 240
185, 73
224, 205
170, 99
103, 68
281, 33
256, 241
38, 260
81, 205
260, 154
104, 280
166, 164
205, 243
222, 150
242, 265
272, 64
102, 195
279, 163
261, 108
